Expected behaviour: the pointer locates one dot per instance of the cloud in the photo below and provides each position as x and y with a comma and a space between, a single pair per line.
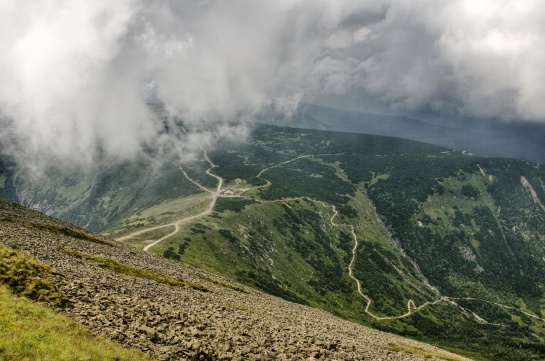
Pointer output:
478, 58
76, 75
65, 82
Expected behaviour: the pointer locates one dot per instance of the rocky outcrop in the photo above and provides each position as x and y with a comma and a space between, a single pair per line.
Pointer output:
178, 322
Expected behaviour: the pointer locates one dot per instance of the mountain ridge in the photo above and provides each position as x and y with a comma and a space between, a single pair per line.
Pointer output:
486, 137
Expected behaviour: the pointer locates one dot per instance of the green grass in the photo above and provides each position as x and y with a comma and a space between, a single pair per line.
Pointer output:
23, 274
162, 213
32, 331
71, 232
437, 206
118, 267
152, 235
226, 285
403, 347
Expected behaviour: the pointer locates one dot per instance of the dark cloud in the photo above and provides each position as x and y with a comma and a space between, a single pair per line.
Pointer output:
77, 74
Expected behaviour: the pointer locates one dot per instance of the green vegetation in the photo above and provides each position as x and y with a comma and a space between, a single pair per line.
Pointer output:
234, 204
23, 274
71, 232
403, 347
430, 222
162, 213
295, 180
226, 285
31, 331
100, 197
118, 267
459, 218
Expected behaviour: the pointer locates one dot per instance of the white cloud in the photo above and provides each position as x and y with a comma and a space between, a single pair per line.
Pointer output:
76, 74
480, 57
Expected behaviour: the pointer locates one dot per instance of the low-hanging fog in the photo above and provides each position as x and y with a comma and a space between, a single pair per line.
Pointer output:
77, 75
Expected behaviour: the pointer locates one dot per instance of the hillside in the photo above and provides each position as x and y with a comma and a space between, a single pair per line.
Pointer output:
492, 138
407, 237
173, 311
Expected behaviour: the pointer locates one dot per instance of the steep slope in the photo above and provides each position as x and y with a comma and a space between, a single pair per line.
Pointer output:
94, 198
173, 311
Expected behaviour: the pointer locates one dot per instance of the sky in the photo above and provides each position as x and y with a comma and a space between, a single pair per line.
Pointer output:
77, 75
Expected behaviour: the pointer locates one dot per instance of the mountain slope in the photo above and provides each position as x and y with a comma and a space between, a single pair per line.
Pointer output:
492, 138
173, 311
446, 246
404, 236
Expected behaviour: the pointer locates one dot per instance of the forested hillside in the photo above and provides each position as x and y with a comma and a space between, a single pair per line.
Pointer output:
407, 237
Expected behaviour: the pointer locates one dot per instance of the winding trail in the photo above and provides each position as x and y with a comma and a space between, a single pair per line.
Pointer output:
277, 165
215, 194
411, 306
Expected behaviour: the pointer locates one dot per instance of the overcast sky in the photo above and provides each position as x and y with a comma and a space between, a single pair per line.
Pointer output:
76, 74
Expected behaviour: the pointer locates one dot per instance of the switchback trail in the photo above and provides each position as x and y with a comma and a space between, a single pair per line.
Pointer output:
215, 194
411, 307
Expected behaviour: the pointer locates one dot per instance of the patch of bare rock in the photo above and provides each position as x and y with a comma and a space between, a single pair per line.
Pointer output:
182, 323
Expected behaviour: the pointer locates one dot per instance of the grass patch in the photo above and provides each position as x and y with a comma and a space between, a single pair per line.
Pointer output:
403, 347
71, 232
32, 331
142, 240
118, 267
161, 214
152, 235
235, 204
226, 285
23, 273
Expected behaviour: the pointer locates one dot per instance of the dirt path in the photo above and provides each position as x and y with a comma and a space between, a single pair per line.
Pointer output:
411, 307
137, 233
215, 194
278, 165
176, 229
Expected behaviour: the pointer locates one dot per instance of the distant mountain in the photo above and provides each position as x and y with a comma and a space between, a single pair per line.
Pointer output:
483, 137
407, 237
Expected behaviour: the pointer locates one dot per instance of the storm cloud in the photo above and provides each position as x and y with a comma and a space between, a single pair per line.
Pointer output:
77, 75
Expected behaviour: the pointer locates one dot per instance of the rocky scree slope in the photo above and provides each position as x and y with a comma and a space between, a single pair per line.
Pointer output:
205, 318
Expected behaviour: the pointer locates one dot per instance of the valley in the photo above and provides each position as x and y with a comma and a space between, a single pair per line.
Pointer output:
403, 236
219, 192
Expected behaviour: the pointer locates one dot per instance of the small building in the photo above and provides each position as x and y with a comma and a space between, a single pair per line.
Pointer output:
228, 192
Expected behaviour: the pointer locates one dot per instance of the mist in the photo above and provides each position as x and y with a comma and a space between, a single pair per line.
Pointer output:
78, 76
